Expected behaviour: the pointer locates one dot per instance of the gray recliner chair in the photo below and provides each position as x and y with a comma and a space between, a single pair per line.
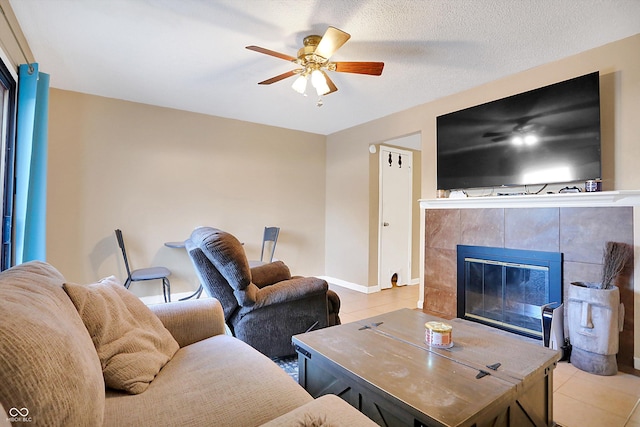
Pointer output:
263, 306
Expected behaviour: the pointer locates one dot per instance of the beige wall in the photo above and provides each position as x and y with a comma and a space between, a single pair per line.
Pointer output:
351, 239
348, 237
157, 173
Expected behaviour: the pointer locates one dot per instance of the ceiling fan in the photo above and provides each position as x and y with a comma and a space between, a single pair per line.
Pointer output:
313, 58
522, 133
529, 128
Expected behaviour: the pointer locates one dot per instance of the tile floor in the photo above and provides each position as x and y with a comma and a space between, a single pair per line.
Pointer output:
580, 399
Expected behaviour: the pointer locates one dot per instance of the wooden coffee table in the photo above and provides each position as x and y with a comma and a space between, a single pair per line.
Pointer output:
383, 367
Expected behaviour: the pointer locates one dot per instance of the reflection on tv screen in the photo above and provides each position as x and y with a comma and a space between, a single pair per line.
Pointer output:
543, 136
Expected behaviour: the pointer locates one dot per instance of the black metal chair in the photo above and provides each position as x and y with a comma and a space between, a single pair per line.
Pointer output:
269, 243
142, 274
269, 240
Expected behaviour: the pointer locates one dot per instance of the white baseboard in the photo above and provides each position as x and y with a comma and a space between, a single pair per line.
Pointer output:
159, 299
636, 363
420, 303
413, 282
360, 288
351, 285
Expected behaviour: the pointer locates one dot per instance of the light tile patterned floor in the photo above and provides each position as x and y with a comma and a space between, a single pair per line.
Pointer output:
580, 399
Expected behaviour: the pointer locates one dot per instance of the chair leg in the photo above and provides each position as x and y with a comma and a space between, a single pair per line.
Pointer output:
195, 295
166, 289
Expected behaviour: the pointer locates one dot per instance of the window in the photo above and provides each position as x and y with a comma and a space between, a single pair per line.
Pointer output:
8, 101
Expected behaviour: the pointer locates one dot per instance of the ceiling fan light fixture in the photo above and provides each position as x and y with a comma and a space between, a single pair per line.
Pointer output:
528, 139
319, 82
517, 140
300, 84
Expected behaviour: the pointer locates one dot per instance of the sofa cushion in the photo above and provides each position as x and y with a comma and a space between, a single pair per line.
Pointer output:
328, 410
219, 381
131, 342
48, 364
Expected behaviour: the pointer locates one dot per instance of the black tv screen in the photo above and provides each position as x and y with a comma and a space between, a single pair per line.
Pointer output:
544, 136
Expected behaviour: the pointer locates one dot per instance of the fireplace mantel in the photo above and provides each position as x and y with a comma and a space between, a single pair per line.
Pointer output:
601, 198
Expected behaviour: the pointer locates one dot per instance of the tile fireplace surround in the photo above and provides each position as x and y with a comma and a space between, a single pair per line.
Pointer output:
576, 224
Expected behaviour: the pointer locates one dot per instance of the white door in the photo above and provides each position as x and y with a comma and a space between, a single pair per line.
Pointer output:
395, 217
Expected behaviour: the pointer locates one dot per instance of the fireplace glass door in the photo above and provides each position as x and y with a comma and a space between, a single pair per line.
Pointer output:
506, 288
506, 294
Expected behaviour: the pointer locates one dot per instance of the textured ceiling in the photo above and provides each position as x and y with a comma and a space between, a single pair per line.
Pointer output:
190, 54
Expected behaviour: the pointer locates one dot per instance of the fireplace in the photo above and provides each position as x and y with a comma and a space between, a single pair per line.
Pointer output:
506, 288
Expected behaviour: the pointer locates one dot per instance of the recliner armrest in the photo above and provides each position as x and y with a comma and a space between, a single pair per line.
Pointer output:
192, 320
290, 290
270, 273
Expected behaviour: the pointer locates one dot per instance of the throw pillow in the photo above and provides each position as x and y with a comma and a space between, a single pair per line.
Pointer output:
131, 341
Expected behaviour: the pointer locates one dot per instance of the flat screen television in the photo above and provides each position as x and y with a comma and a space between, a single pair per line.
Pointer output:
547, 135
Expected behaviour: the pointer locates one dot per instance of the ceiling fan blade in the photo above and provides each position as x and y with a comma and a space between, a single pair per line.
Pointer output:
332, 86
272, 53
332, 40
493, 134
280, 77
371, 68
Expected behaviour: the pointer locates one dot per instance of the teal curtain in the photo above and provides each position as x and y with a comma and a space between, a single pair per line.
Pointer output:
31, 164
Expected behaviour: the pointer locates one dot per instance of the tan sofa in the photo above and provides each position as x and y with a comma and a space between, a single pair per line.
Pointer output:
52, 372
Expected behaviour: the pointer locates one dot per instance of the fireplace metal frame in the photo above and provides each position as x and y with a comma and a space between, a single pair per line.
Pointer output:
550, 260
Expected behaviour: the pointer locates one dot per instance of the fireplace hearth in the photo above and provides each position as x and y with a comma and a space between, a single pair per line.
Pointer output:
506, 288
